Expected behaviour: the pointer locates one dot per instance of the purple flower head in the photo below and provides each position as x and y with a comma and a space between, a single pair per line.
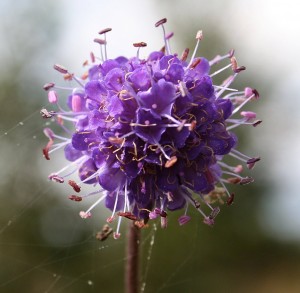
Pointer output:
152, 134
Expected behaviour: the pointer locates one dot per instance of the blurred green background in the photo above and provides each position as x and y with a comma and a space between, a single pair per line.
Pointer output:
46, 247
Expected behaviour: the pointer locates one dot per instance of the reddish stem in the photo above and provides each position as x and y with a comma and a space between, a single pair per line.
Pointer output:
132, 260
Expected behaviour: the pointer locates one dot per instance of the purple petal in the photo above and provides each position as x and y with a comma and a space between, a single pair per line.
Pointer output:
159, 98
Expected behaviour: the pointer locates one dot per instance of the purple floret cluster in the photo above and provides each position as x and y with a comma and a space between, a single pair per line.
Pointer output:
151, 134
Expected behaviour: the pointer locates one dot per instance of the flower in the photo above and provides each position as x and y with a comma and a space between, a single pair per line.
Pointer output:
152, 133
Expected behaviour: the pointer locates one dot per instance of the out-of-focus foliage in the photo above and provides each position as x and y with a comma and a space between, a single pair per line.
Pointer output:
46, 247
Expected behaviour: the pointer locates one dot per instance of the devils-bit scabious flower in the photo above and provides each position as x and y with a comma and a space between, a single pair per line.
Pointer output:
151, 134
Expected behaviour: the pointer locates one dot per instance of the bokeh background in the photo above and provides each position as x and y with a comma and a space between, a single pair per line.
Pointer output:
46, 247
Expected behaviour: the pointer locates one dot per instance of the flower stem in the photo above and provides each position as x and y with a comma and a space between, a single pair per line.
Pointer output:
132, 260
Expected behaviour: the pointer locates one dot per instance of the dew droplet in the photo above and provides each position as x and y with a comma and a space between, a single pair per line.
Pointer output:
34, 137
90, 282
21, 123
5, 133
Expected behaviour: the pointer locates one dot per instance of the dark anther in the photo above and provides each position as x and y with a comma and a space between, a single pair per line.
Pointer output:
195, 63
160, 22
128, 215
56, 178
256, 123
230, 199
239, 69
74, 185
246, 180
140, 44
253, 160
46, 153
234, 180
256, 93
75, 198
48, 86
163, 214
104, 31
185, 54
60, 68
100, 41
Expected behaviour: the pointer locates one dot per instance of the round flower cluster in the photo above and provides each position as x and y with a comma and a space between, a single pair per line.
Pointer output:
151, 132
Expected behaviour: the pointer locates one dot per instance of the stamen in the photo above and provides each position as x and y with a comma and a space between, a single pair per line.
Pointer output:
76, 103
220, 70
185, 54
219, 58
110, 219
227, 84
243, 104
171, 162
182, 88
45, 114
116, 140
214, 213
225, 188
60, 68
161, 23
46, 153
235, 169
256, 123
49, 133
101, 43
92, 56
199, 37
184, 220
104, 233
230, 199
104, 31
95, 204
117, 233
74, 185
56, 178
75, 197
195, 63
84, 215
128, 215
235, 67
139, 45
163, 151
48, 86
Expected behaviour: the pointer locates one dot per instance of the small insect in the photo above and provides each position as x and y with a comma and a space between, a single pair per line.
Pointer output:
104, 233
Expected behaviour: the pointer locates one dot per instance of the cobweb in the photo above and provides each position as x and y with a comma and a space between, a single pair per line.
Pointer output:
44, 245
47, 247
